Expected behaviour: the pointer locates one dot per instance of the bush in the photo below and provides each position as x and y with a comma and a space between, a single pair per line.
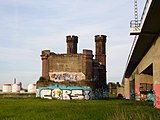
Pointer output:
42, 79
120, 96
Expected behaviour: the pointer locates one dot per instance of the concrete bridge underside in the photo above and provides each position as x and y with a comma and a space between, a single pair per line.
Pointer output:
144, 63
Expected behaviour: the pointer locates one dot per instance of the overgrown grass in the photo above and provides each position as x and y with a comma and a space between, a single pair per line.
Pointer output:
42, 109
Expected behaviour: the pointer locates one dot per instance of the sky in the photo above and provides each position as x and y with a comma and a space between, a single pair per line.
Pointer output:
30, 26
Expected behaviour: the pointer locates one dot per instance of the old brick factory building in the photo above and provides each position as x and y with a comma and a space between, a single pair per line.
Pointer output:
77, 68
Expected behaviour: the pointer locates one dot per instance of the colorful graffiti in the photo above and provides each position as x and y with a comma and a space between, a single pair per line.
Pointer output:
157, 96
100, 94
143, 91
61, 76
65, 93
150, 97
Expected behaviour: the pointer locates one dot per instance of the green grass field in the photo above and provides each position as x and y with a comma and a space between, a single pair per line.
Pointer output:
42, 109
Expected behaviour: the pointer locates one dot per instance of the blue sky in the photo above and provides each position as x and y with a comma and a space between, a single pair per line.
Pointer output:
30, 26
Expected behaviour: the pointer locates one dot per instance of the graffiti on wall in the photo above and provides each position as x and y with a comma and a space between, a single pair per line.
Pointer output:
63, 92
66, 94
144, 91
45, 94
100, 94
157, 96
62, 76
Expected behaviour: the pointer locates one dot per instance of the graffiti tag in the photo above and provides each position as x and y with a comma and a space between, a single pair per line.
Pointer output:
64, 76
65, 94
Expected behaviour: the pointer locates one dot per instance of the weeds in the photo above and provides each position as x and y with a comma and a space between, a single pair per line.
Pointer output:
41, 109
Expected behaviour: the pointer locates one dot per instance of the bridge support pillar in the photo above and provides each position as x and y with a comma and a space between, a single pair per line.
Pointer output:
126, 88
141, 78
156, 80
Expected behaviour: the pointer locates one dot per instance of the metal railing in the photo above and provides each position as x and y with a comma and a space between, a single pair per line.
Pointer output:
134, 23
145, 9
137, 23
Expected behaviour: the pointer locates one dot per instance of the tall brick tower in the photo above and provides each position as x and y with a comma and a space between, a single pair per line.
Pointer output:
72, 44
101, 58
87, 64
45, 63
101, 49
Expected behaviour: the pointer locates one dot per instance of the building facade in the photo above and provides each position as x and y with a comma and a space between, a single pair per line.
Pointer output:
77, 68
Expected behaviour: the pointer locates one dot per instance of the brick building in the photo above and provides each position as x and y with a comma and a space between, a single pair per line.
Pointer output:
78, 68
